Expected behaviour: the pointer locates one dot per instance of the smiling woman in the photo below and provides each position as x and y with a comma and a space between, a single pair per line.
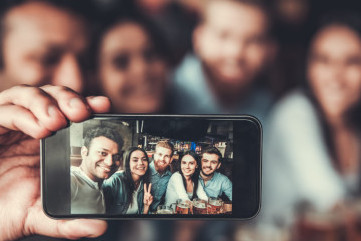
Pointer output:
128, 192
313, 153
138, 165
131, 67
185, 184
188, 166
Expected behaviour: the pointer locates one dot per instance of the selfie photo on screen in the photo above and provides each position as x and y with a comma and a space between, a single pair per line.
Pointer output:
162, 167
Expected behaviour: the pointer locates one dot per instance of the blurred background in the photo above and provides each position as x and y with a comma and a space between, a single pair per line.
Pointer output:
294, 64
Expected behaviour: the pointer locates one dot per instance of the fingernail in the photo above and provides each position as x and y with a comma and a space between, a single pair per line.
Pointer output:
96, 98
76, 103
91, 228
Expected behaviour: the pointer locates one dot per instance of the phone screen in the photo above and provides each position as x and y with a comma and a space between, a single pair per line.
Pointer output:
131, 166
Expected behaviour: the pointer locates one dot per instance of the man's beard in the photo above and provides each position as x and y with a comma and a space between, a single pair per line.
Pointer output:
207, 175
161, 168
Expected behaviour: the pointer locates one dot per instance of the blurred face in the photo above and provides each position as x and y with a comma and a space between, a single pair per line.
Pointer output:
42, 45
138, 164
101, 160
162, 158
188, 165
232, 42
210, 163
334, 69
130, 72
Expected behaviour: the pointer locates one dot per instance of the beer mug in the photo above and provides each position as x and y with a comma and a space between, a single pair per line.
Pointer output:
214, 205
163, 209
227, 207
182, 207
199, 206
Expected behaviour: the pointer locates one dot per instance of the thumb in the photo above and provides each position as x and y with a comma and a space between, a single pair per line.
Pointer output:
78, 228
38, 223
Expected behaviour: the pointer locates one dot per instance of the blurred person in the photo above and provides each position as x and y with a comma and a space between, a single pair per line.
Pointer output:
100, 159
233, 47
28, 114
43, 42
176, 20
129, 192
185, 183
292, 19
214, 183
312, 156
159, 172
132, 67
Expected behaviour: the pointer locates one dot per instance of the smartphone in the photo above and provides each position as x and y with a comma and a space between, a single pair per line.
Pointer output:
154, 166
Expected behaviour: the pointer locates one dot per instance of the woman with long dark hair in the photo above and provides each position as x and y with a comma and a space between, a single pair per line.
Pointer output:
132, 64
313, 154
128, 192
185, 184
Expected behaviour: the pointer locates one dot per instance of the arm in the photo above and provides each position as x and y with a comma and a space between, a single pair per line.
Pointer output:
74, 186
227, 187
201, 193
109, 189
28, 114
178, 185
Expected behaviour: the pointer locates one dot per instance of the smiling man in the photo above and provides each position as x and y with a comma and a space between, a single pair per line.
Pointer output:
233, 48
214, 183
44, 42
159, 171
100, 159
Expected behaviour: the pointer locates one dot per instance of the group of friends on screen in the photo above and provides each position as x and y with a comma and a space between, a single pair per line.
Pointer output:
98, 188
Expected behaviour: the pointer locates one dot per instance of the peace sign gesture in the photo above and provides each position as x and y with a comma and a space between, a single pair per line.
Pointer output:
148, 198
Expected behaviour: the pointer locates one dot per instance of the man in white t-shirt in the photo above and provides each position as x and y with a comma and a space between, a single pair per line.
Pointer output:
100, 159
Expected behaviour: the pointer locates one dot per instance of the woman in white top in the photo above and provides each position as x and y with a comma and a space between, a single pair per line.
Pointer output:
185, 184
313, 152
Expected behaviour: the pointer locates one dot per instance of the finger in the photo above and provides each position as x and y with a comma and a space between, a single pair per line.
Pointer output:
38, 223
74, 229
149, 187
99, 104
145, 188
71, 104
18, 118
38, 102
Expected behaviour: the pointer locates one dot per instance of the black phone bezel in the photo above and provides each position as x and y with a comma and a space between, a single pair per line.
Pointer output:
247, 172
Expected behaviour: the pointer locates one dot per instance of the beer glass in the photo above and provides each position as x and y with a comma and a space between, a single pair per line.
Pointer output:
227, 207
163, 209
199, 206
214, 205
183, 207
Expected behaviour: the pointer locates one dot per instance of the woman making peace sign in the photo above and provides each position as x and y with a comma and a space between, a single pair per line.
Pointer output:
128, 192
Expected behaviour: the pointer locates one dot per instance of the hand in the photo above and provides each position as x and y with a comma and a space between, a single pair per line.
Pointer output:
190, 204
148, 198
27, 114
